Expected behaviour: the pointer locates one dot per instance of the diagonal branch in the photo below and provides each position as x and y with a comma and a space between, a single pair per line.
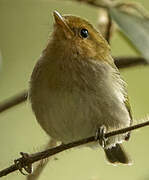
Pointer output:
27, 161
40, 167
13, 101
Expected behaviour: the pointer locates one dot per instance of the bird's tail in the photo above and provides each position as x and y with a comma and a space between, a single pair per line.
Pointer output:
116, 154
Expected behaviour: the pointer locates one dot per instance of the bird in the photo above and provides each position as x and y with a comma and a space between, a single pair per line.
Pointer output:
76, 89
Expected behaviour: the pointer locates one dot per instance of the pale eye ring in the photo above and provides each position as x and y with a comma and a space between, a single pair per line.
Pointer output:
84, 33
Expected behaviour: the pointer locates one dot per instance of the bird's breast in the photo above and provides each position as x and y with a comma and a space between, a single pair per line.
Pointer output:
71, 102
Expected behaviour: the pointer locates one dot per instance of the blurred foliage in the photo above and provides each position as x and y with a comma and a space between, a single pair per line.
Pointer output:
25, 26
134, 25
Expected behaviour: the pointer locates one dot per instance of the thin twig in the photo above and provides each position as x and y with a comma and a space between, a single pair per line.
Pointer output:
125, 62
40, 167
108, 30
94, 3
24, 162
13, 101
105, 24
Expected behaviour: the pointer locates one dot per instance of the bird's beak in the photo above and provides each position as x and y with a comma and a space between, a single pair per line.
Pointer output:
62, 23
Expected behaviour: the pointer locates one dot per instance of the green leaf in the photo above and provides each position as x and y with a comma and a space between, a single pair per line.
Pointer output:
136, 28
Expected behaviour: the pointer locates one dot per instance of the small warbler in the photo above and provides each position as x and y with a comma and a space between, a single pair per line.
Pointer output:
76, 89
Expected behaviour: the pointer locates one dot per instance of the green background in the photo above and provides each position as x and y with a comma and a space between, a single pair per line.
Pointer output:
24, 28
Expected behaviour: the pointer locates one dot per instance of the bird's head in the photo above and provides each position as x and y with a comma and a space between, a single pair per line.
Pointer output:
79, 37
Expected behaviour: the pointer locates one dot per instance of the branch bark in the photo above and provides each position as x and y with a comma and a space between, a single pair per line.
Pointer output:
25, 161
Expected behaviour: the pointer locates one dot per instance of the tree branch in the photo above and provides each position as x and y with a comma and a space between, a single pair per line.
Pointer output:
37, 171
108, 29
94, 3
24, 161
125, 62
13, 101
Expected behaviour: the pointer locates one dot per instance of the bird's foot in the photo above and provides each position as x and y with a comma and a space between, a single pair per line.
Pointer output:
100, 136
21, 164
127, 136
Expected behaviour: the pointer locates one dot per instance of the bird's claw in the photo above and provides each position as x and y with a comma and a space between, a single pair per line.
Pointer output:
127, 136
100, 136
20, 163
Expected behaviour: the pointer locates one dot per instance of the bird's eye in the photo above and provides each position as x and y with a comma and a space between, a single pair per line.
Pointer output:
84, 33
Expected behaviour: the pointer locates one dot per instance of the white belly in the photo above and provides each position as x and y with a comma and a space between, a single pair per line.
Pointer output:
69, 117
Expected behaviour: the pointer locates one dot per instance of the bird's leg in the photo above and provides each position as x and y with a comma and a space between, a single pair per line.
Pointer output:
127, 136
100, 136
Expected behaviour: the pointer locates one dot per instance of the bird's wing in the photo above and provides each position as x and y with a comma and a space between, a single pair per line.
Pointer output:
127, 104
